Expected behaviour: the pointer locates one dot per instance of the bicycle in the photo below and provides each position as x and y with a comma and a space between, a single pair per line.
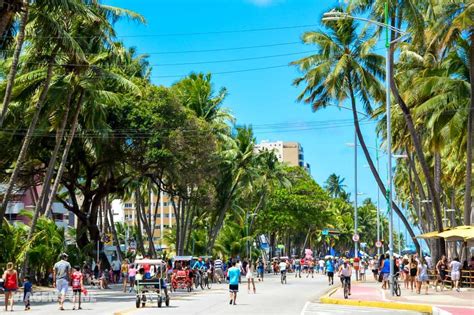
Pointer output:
345, 281
198, 279
283, 277
396, 290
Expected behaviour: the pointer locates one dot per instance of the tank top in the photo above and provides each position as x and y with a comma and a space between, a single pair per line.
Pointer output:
346, 272
76, 280
11, 281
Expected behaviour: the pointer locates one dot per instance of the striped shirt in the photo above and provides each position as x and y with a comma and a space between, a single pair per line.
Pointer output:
217, 264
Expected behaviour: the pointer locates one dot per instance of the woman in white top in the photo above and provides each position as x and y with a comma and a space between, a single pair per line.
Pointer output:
249, 276
455, 267
422, 276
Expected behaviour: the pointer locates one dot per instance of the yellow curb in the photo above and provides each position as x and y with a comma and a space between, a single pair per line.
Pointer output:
125, 312
422, 308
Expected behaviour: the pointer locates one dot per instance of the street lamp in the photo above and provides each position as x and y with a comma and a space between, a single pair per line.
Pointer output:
335, 16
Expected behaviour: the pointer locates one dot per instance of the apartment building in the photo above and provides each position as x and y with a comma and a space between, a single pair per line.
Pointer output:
164, 220
291, 153
25, 200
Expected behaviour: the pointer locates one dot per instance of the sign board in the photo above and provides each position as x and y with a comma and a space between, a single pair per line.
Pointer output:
378, 244
355, 237
325, 232
280, 246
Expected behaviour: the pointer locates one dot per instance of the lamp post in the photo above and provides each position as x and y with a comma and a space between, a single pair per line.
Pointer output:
337, 15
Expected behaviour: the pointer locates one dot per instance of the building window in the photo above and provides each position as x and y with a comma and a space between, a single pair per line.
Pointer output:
128, 205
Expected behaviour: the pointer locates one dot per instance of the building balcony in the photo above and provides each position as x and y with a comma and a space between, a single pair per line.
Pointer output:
58, 208
15, 207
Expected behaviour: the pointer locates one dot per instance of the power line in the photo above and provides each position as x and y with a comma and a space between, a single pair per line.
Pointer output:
193, 63
193, 51
249, 30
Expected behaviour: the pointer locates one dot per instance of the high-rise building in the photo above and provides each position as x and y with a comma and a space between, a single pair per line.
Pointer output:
290, 153
161, 215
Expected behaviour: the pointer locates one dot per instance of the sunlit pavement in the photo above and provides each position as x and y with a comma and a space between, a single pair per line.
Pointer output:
298, 296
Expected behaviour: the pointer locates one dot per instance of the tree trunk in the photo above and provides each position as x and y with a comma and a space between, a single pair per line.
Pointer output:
140, 246
437, 176
41, 205
470, 138
14, 66
421, 192
374, 170
419, 153
114, 231
28, 137
62, 165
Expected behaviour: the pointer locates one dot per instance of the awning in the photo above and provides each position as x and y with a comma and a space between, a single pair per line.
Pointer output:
429, 235
460, 233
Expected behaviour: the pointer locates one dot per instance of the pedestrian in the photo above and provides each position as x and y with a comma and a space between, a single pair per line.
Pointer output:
218, 271
413, 270
239, 265
234, 276
124, 274
61, 276
330, 271
77, 286
345, 272
441, 272
260, 269
10, 285
298, 264
455, 266
321, 265
132, 271
311, 268
385, 272
249, 275
422, 276
363, 267
27, 292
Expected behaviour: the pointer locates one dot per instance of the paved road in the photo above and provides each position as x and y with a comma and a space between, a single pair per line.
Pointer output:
298, 296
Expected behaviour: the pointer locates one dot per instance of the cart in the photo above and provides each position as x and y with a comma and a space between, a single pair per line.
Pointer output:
151, 290
182, 276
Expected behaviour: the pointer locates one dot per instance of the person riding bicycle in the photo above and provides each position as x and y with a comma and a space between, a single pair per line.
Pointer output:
199, 266
345, 272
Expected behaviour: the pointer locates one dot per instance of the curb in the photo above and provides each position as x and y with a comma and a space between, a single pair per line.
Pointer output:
422, 308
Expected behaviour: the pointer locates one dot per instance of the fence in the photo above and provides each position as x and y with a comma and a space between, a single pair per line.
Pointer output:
467, 278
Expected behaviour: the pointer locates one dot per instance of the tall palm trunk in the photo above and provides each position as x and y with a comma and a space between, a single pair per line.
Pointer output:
42, 200
14, 66
418, 150
114, 231
138, 204
28, 137
470, 138
374, 170
67, 147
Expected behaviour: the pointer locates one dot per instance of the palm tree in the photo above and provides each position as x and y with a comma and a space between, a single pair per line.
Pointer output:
334, 185
342, 68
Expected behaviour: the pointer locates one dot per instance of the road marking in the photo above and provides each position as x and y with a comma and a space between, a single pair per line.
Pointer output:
303, 311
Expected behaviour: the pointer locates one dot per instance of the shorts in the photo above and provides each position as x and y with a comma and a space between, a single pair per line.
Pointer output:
375, 271
124, 275
330, 274
131, 279
455, 275
26, 297
76, 291
10, 289
233, 288
62, 286
442, 276
423, 278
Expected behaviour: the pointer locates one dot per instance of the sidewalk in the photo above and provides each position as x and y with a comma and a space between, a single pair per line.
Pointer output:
369, 293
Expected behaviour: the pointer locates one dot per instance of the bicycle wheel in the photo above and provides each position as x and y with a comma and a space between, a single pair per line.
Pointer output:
398, 290
202, 284
209, 284
196, 281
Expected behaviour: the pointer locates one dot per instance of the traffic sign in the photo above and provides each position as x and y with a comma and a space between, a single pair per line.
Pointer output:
378, 244
355, 237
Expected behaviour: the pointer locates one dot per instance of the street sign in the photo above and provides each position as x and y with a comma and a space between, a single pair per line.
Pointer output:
325, 232
355, 237
378, 244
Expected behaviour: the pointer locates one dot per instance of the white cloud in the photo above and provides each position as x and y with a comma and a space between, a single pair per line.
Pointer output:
263, 3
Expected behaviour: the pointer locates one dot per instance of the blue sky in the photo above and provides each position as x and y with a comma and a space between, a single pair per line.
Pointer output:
255, 97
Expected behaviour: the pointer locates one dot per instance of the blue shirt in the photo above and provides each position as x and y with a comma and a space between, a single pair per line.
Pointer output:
386, 266
198, 265
234, 275
329, 266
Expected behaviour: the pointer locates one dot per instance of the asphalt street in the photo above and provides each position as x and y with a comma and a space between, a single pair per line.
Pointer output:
298, 296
